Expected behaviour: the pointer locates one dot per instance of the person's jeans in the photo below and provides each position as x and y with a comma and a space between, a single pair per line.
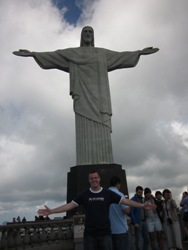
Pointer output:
142, 237
121, 241
98, 243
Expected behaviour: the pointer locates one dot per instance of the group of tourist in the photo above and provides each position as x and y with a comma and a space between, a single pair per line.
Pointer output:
18, 220
106, 211
156, 225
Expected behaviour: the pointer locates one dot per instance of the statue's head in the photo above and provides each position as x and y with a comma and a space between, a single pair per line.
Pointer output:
87, 36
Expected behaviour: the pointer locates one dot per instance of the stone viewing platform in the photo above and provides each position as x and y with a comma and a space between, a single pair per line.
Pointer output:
61, 234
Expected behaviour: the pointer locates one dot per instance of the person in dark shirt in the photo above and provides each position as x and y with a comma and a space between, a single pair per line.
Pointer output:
96, 202
139, 222
159, 203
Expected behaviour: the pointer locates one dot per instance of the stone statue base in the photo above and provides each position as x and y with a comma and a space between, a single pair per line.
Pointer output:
77, 180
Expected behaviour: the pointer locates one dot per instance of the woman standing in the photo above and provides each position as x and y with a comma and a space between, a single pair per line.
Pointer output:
171, 221
153, 223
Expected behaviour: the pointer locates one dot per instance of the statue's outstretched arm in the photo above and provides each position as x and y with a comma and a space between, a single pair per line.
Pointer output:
23, 52
148, 50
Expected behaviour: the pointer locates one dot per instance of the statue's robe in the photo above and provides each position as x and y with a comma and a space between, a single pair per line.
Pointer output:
89, 87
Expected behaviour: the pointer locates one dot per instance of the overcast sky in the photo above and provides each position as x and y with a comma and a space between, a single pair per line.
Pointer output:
150, 101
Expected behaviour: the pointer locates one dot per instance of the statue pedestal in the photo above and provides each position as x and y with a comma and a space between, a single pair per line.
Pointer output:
77, 180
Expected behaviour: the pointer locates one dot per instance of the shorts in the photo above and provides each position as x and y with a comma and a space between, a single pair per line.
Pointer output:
154, 226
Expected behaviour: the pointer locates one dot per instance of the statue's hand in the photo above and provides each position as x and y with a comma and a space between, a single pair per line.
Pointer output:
149, 50
23, 52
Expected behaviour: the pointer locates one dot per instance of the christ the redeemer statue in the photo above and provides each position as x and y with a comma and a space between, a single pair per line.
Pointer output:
88, 68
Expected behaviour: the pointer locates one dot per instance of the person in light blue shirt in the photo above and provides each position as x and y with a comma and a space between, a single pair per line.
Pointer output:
184, 205
118, 220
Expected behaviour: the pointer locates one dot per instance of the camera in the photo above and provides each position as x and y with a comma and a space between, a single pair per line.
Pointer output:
169, 221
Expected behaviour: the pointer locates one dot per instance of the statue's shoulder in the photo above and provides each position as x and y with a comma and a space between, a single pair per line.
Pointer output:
104, 51
80, 51
100, 50
67, 50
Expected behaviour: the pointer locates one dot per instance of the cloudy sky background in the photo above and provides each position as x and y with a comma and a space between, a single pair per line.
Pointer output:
150, 101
